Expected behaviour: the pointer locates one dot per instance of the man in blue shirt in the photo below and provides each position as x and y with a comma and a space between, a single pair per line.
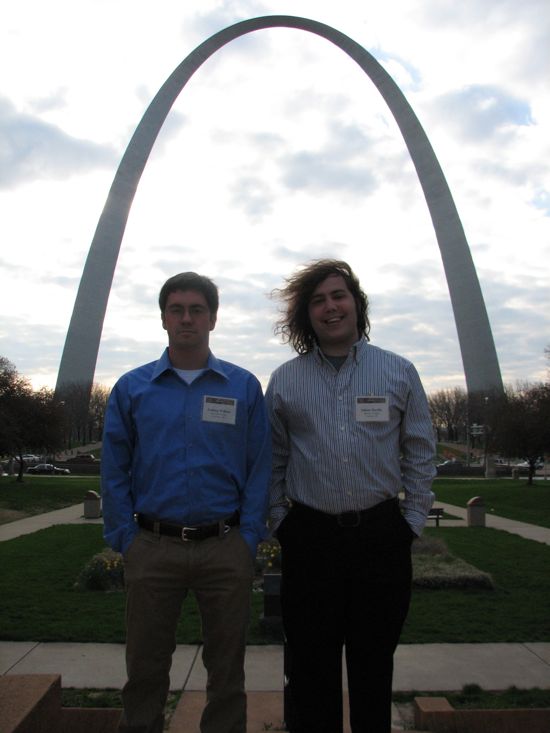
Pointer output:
351, 432
185, 468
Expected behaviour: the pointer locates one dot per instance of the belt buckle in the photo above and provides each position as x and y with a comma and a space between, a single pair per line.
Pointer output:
349, 519
184, 531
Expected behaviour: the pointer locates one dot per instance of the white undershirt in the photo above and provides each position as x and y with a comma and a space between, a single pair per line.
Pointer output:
189, 375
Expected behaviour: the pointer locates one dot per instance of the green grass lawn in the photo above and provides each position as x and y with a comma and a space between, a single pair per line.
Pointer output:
472, 697
518, 610
40, 603
503, 497
39, 494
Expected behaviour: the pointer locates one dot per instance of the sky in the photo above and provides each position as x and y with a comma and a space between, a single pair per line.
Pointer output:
278, 151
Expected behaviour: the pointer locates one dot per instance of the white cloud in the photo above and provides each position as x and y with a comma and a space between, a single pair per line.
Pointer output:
32, 150
481, 112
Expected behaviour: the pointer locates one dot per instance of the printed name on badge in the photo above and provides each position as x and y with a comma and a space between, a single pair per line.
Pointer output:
219, 409
372, 409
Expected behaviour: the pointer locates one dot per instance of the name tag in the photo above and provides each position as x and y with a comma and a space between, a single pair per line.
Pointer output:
372, 409
219, 409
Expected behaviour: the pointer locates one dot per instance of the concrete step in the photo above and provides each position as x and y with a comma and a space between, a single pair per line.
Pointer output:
31, 703
436, 714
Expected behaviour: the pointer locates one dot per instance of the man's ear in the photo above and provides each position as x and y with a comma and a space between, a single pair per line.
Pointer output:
213, 321
162, 319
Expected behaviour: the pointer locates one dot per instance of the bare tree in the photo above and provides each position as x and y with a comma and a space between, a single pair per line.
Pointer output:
449, 411
521, 424
96, 411
84, 413
29, 420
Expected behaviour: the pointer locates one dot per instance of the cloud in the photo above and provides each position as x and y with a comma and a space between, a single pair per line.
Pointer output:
253, 195
403, 72
303, 254
417, 322
56, 100
34, 351
229, 12
249, 297
421, 328
542, 201
478, 112
32, 149
266, 141
342, 165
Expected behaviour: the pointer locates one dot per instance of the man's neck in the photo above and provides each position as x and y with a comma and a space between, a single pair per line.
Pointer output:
188, 359
337, 349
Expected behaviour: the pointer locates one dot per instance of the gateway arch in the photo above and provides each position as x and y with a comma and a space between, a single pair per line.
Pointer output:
479, 357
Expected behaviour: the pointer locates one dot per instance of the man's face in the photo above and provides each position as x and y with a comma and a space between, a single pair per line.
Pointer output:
333, 315
187, 320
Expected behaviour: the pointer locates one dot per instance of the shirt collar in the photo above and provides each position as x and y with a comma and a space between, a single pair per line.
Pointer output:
164, 365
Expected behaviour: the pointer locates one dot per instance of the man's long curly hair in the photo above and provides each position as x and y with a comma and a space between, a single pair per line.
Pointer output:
294, 325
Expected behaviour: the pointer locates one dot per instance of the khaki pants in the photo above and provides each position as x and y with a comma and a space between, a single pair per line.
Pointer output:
159, 573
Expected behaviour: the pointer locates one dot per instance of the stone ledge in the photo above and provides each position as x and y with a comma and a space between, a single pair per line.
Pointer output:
437, 715
31, 703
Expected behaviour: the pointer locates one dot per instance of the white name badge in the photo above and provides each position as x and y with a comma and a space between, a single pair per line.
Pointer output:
219, 409
372, 409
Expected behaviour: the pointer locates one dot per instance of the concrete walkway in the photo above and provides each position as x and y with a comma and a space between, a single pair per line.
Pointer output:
523, 529
69, 515
422, 667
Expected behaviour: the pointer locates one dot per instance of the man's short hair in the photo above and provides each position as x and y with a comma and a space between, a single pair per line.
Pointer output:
294, 325
190, 281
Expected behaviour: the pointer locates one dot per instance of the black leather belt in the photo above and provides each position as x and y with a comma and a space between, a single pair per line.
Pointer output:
352, 519
187, 534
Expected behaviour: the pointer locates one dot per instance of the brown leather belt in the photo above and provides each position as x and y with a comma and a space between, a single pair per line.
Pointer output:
187, 534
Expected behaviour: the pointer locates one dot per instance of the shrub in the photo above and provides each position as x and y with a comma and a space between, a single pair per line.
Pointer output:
268, 556
105, 572
435, 567
429, 545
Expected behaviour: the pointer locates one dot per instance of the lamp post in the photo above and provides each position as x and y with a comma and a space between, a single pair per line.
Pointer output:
476, 430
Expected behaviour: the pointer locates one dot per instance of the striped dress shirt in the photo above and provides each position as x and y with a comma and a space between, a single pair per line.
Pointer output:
329, 456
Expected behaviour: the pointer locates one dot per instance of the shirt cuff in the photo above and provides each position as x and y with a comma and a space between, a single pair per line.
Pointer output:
276, 517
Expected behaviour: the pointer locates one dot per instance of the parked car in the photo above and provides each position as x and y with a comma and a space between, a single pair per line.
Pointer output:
525, 464
47, 468
82, 458
30, 458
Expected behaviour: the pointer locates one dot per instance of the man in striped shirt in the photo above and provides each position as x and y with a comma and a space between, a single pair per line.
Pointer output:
351, 432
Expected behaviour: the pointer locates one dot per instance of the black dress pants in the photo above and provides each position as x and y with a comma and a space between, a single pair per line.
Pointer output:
343, 586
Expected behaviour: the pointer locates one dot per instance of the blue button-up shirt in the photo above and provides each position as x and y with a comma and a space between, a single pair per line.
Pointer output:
165, 456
